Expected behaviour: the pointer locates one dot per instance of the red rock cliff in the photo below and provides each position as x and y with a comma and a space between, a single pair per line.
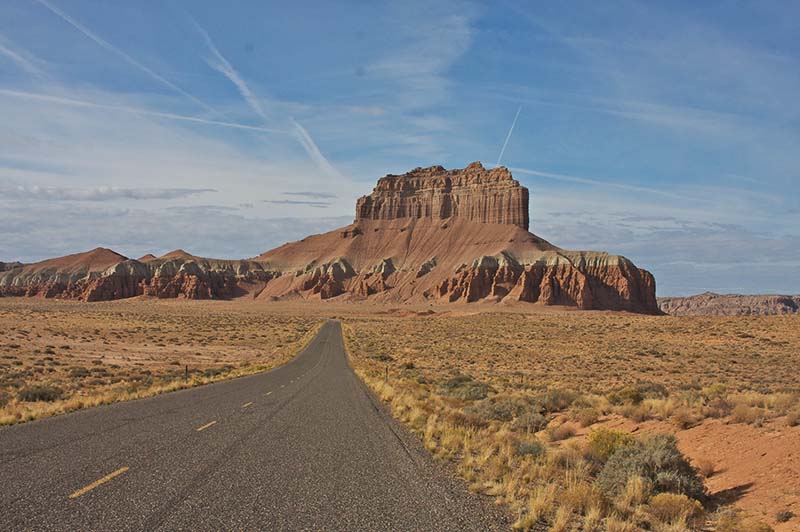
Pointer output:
473, 194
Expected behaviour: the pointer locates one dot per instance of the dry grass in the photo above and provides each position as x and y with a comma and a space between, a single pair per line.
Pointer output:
57, 356
502, 394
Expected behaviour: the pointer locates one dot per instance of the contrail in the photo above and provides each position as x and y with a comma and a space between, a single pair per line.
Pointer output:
22, 62
503, 149
111, 48
223, 66
226, 69
587, 181
134, 110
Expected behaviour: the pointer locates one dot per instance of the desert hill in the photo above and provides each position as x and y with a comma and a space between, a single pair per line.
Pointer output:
711, 304
428, 235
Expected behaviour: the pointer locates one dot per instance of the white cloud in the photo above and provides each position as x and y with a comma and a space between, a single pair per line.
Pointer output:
97, 193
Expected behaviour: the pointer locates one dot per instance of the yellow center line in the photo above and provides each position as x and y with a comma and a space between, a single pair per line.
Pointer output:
247, 404
204, 427
98, 482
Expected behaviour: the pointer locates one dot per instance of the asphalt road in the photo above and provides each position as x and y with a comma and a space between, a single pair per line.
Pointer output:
302, 447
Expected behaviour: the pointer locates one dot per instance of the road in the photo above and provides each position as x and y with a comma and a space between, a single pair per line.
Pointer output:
302, 447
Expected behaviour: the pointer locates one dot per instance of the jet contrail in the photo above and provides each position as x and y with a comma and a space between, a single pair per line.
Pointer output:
503, 149
134, 110
113, 49
223, 66
22, 62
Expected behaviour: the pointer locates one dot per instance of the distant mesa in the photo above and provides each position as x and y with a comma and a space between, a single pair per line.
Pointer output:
711, 304
430, 235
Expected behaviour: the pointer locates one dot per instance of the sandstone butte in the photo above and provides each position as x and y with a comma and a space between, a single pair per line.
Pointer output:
430, 235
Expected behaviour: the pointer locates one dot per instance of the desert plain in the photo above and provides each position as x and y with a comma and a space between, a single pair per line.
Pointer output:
526, 403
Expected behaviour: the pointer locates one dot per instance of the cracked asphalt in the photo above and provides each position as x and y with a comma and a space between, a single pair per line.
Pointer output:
304, 447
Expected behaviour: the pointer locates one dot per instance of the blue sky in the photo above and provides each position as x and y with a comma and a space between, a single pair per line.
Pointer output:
664, 131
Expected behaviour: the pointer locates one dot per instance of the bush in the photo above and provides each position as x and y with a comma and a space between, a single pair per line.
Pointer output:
530, 420
561, 432
5, 398
657, 460
465, 388
673, 509
40, 393
555, 400
497, 410
784, 516
749, 414
734, 520
587, 416
603, 443
533, 448
625, 396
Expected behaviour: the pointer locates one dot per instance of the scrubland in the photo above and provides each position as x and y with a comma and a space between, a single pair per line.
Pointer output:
602, 421
58, 356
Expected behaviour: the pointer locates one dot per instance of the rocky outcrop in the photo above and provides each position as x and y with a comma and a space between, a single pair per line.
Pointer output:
711, 304
429, 236
472, 194
6, 266
80, 277
585, 281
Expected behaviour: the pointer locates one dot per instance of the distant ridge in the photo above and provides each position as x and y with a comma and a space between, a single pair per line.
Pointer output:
711, 304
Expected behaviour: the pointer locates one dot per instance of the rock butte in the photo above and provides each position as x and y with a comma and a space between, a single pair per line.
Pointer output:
429, 235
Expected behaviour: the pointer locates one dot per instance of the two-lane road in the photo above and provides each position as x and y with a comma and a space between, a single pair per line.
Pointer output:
303, 447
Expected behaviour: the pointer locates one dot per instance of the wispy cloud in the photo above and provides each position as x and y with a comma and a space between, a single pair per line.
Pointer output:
309, 194
22, 59
126, 57
133, 110
319, 204
223, 66
97, 193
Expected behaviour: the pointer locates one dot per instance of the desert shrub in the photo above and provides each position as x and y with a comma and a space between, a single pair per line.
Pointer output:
748, 414
657, 460
561, 432
717, 407
684, 418
465, 388
587, 416
636, 412
603, 443
40, 393
734, 520
714, 391
533, 448
555, 400
793, 418
673, 508
530, 420
78, 372
493, 409
5, 398
628, 395
706, 467
783, 516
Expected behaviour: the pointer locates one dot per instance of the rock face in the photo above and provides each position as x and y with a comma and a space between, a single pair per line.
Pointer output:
5, 266
431, 235
711, 304
473, 194
102, 275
